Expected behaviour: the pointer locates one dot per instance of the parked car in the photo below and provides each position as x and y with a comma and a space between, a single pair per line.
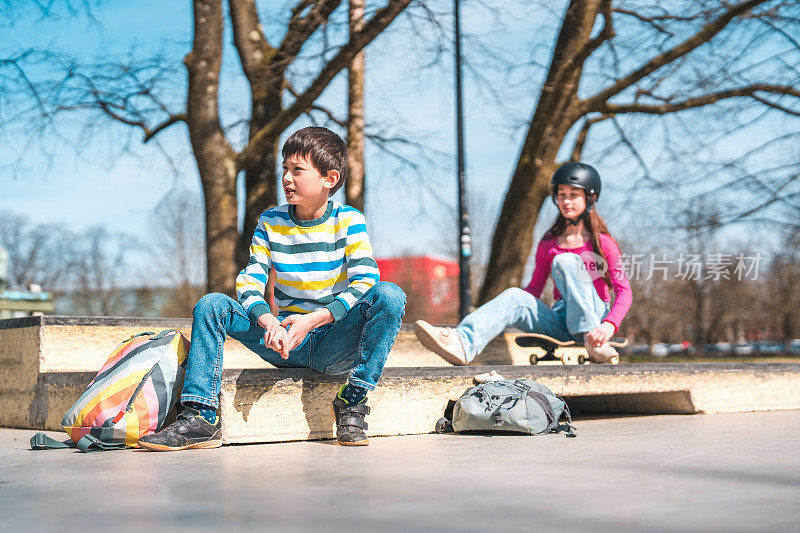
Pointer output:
768, 347
724, 347
794, 346
677, 348
743, 348
639, 349
683, 348
659, 350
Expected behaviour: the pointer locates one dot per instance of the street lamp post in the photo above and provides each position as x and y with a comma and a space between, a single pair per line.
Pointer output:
464, 238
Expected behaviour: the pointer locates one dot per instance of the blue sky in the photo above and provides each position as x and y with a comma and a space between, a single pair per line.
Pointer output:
102, 186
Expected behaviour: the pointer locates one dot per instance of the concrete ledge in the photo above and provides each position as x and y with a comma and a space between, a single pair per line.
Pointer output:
46, 363
76, 344
270, 405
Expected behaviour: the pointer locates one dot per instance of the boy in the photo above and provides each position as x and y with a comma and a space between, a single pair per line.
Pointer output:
335, 315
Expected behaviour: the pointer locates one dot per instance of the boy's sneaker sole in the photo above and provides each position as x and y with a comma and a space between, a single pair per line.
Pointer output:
359, 443
198, 445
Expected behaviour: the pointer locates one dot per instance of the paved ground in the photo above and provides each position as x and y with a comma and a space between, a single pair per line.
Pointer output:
736, 472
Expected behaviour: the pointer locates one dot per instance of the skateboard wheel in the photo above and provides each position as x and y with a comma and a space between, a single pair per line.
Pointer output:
581, 360
534, 360
443, 425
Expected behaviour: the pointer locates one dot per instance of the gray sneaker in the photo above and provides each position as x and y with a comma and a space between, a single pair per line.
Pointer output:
190, 430
444, 342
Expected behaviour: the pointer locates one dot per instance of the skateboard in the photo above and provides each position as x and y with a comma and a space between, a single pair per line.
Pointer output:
558, 352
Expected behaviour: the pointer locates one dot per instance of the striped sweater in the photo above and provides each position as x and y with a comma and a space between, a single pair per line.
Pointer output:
321, 263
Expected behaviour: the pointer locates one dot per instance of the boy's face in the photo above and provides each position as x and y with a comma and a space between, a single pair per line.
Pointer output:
302, 182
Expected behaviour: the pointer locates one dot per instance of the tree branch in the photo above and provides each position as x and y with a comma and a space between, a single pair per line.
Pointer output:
706, 99
115, 110
248, 38
204, 63
346, 53
605, 34
566, 66
301, 29
654, 20
316, 107
580, 141
705, 34
776, 106
173, 119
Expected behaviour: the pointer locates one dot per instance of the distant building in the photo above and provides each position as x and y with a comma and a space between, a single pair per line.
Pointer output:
430, 284
14, 304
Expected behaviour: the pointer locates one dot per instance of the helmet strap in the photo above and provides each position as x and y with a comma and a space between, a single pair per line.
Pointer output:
580, 217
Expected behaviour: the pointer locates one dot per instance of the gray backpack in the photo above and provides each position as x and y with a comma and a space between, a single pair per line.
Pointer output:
521, 406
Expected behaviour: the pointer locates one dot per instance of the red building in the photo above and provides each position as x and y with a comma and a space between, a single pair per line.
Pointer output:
430, 284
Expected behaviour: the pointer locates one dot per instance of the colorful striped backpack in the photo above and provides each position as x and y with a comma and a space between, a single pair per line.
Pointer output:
131, 396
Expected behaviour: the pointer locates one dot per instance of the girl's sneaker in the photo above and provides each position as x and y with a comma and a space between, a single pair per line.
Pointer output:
444, 342
599, 354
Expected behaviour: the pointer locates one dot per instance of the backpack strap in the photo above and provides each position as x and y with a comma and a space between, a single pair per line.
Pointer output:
569, 429
448, 411
90, 443
40, 441
521, 385
162, 334
544, 403
497, 420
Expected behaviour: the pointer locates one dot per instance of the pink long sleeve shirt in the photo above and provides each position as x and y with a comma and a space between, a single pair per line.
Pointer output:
548, 249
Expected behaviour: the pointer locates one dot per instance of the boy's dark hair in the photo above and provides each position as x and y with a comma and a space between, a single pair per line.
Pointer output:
326, 151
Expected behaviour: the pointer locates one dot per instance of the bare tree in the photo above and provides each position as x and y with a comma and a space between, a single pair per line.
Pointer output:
36, 252
783, 288
178, 245
664, 71
141, 94
83, 270
97, 266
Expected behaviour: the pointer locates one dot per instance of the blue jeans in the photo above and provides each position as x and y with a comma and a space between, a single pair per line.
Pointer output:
357, 343
579, 310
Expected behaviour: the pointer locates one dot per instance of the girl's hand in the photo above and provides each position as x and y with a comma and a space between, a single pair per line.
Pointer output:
601, 334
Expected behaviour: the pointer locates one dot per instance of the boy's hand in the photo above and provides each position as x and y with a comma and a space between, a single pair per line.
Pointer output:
601, 334
275, 335
300, 325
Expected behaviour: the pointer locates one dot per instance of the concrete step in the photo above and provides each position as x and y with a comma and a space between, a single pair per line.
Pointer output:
76, 344
270, 405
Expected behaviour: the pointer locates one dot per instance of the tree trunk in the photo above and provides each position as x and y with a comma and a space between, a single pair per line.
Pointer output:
261, 178
354, 186
215, 157
557, 111
221, 230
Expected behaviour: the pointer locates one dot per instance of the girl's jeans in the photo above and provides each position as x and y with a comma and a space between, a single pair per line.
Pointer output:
357, 343
579, 310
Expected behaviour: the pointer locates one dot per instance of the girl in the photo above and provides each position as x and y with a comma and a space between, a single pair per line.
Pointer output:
582, 258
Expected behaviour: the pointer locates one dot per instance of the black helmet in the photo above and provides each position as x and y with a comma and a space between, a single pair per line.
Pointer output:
578, 175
